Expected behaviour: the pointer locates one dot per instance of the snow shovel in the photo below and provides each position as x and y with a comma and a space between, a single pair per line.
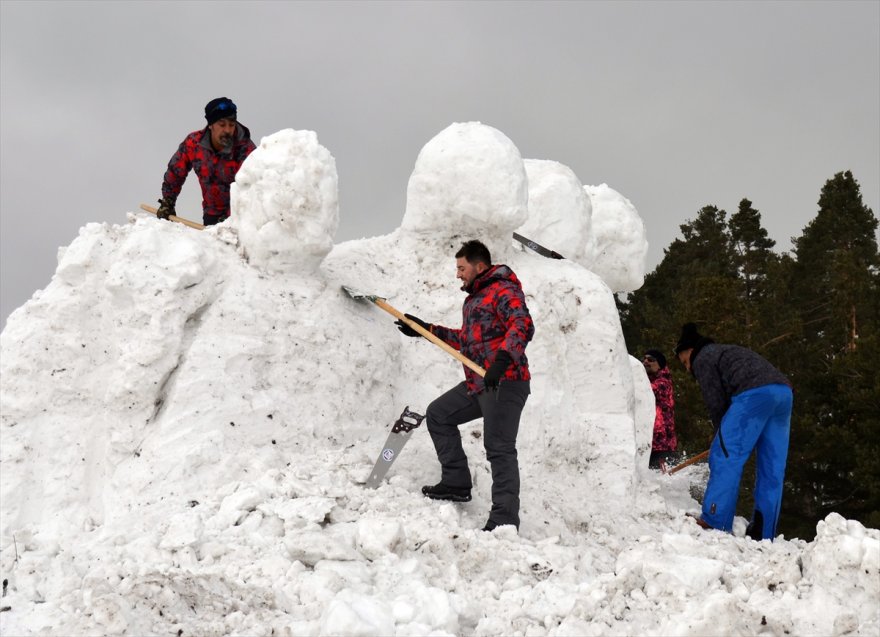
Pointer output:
418, 328
689, 462
186, 222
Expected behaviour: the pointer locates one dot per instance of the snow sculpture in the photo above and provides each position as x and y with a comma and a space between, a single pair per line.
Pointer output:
469, 182
185, 438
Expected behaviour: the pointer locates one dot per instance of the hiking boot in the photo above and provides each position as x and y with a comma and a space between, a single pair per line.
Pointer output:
491, 525
755, 529
442, 492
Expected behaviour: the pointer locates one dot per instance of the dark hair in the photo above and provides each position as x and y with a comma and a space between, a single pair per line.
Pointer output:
475, 252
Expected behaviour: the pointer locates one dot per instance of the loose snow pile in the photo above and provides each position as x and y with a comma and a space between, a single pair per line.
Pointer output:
188, 419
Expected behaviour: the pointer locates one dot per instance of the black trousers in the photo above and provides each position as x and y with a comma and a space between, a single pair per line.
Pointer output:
501, 412
213, 220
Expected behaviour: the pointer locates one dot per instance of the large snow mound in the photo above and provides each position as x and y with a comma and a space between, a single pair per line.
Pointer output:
188, 420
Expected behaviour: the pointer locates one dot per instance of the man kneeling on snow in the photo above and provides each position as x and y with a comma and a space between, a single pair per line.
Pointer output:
496, 326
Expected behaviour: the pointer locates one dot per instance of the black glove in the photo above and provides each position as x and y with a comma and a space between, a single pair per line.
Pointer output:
497, 369
406, 329
166, 208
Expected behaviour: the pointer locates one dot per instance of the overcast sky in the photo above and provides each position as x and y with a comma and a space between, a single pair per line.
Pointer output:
674, 104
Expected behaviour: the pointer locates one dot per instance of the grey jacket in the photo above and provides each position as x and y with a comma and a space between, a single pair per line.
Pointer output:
724, 371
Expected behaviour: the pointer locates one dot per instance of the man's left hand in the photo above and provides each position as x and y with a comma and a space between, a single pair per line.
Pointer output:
493, 375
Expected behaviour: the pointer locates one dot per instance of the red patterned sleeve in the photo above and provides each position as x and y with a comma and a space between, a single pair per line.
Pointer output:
178, 168
511, 307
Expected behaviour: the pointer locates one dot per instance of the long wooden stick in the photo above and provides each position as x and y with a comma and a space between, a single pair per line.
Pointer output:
446, 347
382, 303
186, 222
689, 462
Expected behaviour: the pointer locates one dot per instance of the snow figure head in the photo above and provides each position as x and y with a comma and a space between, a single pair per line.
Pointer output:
621, 245
470, 180
285, 202
559, 211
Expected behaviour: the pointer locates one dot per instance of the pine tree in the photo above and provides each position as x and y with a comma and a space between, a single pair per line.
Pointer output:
837, 265
752, 255
695, 281
837, 401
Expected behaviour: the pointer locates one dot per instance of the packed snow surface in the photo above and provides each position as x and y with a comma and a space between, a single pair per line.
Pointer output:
188, 420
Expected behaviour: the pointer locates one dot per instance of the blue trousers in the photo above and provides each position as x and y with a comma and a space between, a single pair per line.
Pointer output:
757, 419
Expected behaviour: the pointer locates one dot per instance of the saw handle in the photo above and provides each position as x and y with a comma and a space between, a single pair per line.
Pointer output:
427, 334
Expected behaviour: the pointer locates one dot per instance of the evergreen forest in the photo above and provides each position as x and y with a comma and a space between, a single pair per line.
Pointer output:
812, 312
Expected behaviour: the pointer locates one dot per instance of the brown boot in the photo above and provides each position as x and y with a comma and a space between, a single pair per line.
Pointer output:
700, 521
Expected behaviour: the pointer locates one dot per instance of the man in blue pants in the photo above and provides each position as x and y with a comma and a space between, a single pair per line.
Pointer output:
749, 402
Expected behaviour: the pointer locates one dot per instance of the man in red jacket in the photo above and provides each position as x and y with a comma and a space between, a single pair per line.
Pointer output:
664, 443
215, 153
496, 326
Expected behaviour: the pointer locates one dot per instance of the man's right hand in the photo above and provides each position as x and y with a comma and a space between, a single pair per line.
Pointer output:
406, 329
166, 208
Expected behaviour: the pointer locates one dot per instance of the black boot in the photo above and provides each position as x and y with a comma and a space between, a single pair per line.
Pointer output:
755, 529
442, 492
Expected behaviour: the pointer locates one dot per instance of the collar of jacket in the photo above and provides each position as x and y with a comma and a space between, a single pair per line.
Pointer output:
697, 349
661, 373
486, 277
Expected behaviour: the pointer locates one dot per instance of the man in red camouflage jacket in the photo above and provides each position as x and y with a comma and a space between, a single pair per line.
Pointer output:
215, 153
665, 442
496, 326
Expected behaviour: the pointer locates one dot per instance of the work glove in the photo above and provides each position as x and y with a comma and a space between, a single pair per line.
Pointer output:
166, 208
493, 375
406, 329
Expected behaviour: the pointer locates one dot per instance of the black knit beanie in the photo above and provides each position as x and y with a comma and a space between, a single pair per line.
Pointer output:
220, 108
690, 337
658, 356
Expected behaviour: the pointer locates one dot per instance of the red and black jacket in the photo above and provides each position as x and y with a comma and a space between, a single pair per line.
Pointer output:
215, 170
664, 417
494, 317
